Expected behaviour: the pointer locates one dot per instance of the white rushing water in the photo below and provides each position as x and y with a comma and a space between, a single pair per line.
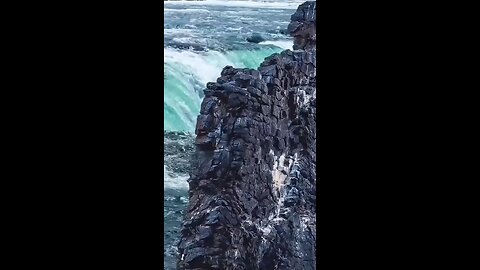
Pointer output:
238, 3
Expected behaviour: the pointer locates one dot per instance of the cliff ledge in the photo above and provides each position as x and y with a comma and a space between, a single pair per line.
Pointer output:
253, 182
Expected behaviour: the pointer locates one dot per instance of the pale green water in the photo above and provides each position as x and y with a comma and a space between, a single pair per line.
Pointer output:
186, 75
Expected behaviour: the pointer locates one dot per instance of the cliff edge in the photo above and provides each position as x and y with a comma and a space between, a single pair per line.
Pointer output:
253, 182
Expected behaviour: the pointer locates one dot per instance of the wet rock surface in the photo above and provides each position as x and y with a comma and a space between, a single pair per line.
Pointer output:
303, 28
252, 186
255, 38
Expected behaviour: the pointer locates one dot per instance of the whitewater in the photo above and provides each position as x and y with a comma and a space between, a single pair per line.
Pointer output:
200, 39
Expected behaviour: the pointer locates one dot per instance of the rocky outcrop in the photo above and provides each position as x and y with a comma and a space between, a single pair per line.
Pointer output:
255, 38
253, 181
303, 26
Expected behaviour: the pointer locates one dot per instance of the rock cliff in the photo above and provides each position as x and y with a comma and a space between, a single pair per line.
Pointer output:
253, 182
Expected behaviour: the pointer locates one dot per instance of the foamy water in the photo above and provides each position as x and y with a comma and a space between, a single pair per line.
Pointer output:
174, 181
250, 4
283, 44
187, 73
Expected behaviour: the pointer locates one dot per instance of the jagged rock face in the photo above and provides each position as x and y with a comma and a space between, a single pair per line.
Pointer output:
253, 181
303, 28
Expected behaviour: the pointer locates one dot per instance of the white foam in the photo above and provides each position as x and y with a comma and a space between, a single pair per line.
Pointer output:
176, 183
203, 66
184, 31
283, 44
187, 72
192, 40
186, 10
238, 3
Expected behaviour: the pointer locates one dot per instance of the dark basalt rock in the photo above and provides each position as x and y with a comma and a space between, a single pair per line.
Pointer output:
255, 38
253, 180
283, 31
303, 28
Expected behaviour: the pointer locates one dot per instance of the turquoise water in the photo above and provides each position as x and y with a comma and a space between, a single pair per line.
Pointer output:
186, 74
